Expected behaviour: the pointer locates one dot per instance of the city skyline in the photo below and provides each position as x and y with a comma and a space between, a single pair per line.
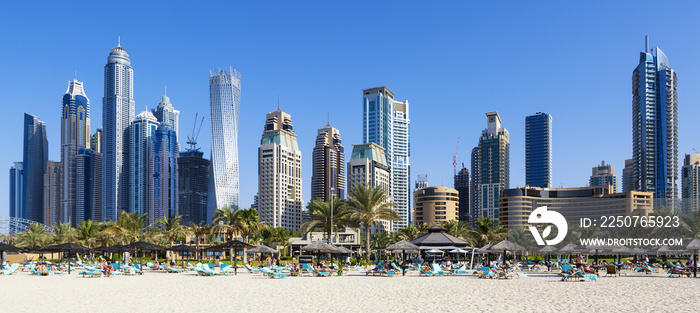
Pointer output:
438, 118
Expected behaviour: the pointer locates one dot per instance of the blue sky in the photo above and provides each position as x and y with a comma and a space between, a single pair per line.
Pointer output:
453, 61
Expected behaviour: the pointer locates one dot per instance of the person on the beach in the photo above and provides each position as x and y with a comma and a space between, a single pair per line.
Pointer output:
268, 261
108, 272
579, 262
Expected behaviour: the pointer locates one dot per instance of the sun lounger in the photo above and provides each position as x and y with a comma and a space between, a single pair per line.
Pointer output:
320, 273
252, 270
272, 274
397, 268
91, 272
437, 269
611, 270
486, 272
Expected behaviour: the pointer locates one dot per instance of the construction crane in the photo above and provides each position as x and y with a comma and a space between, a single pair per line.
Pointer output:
696, 150
454, 159
192, 138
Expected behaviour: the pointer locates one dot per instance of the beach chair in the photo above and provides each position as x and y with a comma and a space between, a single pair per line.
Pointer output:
397, 268
611, 270
10, 270
426, 273
252, 270
486, 272
458, 270
438, 270
272, 274
320, 273
91, 272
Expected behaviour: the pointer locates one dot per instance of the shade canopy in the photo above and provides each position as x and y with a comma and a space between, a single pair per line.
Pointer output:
437, 237
547, 249
434, 251
8, 248
114, 248
459, 250
262, 249
233, 244
319, 246
402, 245
486, 248
142, 245
344, 250
661, 250
507, 245
182, 248
571, 248
66, 247
693, 245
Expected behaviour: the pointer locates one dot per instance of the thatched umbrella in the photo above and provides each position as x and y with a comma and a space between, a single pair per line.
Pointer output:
506, 245
570, 249
596, 249
662, 251
619, 250
6, 248
66, 247
320, 247
145, 246
233, 244
182, 249
694, 245
404, 246
546, 250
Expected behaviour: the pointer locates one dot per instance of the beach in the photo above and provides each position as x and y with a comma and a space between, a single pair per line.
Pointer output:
187, 292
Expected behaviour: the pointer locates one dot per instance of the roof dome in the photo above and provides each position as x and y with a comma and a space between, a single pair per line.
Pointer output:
145, 115
118, 55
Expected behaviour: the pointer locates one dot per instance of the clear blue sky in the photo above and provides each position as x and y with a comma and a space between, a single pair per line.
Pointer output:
453, 61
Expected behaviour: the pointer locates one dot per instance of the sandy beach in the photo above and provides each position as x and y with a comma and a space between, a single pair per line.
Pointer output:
163, 292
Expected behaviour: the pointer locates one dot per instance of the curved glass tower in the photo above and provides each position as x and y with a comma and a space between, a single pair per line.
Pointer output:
224, 105
117, 114
75, 135
142, 132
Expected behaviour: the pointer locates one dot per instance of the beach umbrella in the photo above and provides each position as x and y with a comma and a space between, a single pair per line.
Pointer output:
694, 245
546, 250
67, 247
507, 245
144, 246
570, 249
233, 244
434, 252
404, 246
320, 247
6, 248
182, 249
620, 250
262, 249
596, 249
458, 251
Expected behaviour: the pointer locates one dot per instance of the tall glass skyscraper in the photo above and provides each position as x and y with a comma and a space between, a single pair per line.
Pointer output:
655, 125
163, 174
193, 177
141, 134
492, 172
329, 165
386, 122
75, 135
462, 184
538, 150
36, 156
165, 112
224, 106
16, 185
117, 114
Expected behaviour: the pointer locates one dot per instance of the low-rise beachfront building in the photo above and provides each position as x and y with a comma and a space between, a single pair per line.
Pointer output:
517, 204
349, 238
436, 205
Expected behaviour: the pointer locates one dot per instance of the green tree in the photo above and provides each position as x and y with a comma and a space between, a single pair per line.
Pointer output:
486, 231
371, 205
63, 232
224, 222
87, 233
35, 237
320, 216
171, 228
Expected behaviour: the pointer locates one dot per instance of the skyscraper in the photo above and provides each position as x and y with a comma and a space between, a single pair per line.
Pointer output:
165, 112
16, 185
163, 174
493, 163
88, 179
36, 155
386, 122
224, 107
193, 177
538, 150
329, 165
604, 175
141, 134
368, 167
462, 184
691, 183
627, 179
75, 135
279, 173
473, 185
655, 125
52, 195
96, 144
117, 114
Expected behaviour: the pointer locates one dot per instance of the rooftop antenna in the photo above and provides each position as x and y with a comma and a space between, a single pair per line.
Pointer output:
278, 101
165, 93
119, 41
646, 46
329, 118
76, 75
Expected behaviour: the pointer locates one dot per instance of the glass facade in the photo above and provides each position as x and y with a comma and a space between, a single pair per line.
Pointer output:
141, 133
75, 135
224, 105
538, 150
655, 126
163, 185
490, 168
36, 156
117, 115
16, 185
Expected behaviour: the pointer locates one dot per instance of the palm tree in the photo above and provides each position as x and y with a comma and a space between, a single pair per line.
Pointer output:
63, 232
247, 222
198, 230
35, 237
278, 236
320, 213
371, 205
130, 226
171, 228
87, 232
225, 221
486, 231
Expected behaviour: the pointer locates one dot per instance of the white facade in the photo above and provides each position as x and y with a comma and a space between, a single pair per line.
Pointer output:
224, 105
117, 114
165, 112
368, 167
279, 173
386, 122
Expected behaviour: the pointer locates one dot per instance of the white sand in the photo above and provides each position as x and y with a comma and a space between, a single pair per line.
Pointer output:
163, 292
